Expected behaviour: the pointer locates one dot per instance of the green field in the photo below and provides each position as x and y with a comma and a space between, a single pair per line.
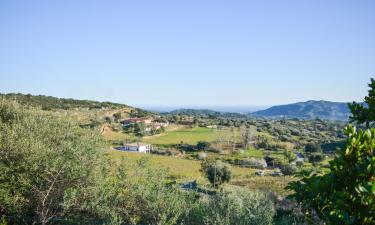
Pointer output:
190, 136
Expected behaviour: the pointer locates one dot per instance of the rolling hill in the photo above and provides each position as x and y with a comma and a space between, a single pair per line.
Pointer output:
49, 102
308, 110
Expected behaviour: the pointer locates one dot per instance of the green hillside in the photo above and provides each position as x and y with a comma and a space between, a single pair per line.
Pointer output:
308, 110
49, 102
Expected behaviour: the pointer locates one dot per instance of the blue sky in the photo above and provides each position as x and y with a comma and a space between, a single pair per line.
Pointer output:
188, 53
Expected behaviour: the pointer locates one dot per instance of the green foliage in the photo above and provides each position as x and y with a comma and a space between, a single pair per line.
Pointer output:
289, 155
140, 129
138, 194
42, 158
216, 172
48, 102
316, 157
203, 145
365, 113
288, 169
346, 194
312, 147
247, 136
237, 206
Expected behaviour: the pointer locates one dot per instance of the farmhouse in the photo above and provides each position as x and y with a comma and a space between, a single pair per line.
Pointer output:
136, 147
144, 120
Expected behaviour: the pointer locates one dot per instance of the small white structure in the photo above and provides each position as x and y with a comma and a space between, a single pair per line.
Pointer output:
136, 147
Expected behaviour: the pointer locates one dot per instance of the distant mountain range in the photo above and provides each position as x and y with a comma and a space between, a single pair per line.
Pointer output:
308, 110
300, 110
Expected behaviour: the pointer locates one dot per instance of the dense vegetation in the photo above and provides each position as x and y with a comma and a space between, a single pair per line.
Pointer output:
346, 194
49, 103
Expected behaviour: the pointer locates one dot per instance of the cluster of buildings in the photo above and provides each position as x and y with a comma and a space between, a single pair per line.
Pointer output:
149, 123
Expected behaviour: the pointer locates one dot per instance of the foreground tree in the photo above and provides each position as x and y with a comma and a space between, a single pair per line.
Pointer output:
346, 194
42, 158
365, 113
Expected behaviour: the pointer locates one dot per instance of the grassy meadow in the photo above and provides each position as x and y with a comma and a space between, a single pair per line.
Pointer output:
190, 135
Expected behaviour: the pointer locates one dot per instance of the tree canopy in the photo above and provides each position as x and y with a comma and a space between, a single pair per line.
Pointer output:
364, 113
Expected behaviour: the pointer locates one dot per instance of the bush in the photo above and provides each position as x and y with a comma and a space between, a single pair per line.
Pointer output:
272, 161
288, 169
203, 145
233, 206
316, 157
312, 147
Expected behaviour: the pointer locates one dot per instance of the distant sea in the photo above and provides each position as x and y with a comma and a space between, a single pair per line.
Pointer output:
235, 109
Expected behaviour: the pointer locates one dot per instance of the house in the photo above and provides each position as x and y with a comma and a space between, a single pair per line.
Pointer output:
129, 121
136, 147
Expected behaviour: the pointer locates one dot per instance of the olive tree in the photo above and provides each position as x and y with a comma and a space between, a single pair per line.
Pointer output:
217, 172
42, 158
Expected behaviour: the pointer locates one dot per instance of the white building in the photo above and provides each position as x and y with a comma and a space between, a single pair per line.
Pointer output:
136, 147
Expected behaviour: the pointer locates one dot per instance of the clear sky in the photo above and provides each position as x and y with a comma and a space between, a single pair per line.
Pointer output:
188, 53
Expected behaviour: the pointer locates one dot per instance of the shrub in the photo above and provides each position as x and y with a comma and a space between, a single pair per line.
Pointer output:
288, 169
316, 157
312, 147
216, 172
299, 163
203, 145
233, 206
